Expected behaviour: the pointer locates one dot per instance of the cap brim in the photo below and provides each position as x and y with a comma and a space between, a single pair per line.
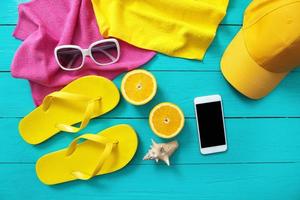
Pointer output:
244, 74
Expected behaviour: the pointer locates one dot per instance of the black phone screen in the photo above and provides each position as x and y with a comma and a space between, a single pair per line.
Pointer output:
210, 124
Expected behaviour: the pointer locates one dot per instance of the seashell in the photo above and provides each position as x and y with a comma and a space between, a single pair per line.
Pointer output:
161, 151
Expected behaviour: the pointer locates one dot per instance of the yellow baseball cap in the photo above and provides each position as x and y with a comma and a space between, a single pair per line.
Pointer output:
266, 48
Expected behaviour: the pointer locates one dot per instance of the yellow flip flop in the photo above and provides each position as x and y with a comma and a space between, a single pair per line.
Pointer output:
81, 100
102, 153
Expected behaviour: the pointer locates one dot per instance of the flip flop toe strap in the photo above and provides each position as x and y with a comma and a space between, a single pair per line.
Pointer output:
105, 154
109, 144
88, 113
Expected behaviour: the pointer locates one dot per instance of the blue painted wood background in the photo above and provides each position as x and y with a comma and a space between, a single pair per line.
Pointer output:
262, 161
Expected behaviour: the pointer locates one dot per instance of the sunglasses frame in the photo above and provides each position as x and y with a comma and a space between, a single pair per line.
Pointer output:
87, 52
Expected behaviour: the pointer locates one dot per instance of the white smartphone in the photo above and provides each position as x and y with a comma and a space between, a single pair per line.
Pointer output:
210, 124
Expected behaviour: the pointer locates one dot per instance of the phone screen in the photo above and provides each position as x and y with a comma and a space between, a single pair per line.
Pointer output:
210, 124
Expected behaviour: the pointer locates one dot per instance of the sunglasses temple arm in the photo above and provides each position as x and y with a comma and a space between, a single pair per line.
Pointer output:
74, 58
107, 54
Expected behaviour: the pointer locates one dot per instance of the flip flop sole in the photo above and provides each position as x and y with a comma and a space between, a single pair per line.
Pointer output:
39, 125
56, 167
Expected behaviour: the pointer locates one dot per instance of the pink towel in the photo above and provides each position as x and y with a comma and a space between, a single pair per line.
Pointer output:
45, 24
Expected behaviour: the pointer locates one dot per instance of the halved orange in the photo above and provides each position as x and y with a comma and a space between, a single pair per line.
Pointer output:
138, 87
166, 120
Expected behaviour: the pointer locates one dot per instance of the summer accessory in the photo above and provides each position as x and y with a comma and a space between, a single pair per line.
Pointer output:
266, 49
166, 120
102, 153
176, 28
81, 100
102, 52
138, 87
161, 151
44, 25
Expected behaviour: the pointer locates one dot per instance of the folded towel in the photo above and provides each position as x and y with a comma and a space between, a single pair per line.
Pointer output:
44, 24
180, 28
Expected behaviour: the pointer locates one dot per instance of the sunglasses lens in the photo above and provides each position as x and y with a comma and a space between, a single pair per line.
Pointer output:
105, 53
69, 58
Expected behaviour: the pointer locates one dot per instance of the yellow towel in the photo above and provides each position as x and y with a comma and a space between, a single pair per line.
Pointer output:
180, 28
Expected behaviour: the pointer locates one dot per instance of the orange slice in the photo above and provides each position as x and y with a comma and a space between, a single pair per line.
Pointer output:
166, 120
138, 87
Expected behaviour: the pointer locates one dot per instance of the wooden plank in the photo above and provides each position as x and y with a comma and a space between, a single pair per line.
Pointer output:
235, 12
283, 102
249, 140
9, 12
234, 182
9, 46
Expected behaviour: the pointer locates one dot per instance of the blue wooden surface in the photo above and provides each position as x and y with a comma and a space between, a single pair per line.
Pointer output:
263, 160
